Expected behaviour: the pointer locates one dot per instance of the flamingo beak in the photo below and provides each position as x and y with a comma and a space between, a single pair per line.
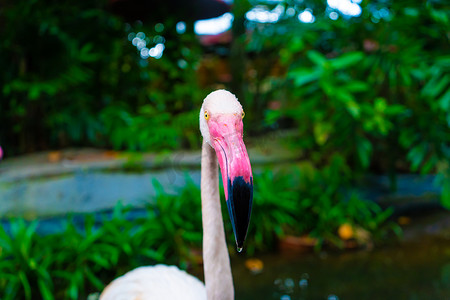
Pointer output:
236, 174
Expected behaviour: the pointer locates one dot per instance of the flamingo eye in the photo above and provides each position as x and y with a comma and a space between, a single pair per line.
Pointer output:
206, 115
243, 114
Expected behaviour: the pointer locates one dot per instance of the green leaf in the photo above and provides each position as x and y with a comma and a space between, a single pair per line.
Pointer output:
74, 287
416, 155
346, 60
351, 105
99, 260
411, 11
46, 293
444, 101
364, 150
406, 78
316, 58
34, 91
380, 104
304, 76
445, 197
322, 132
272, 117
440, 16
152, 254
356, 86
436, 85
85, 55
25, 284
97, 283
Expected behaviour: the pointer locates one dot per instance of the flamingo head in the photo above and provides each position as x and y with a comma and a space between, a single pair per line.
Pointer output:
222, 127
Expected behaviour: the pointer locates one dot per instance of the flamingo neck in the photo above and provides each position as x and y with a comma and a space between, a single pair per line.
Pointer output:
216, 260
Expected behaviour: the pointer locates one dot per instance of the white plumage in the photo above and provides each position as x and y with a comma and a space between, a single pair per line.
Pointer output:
148, 283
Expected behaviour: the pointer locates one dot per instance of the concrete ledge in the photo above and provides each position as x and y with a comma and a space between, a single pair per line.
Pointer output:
90, 180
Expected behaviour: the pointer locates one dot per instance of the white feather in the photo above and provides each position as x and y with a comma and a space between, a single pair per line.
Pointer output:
148, 283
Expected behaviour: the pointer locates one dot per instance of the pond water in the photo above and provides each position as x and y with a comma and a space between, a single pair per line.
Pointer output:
416, 270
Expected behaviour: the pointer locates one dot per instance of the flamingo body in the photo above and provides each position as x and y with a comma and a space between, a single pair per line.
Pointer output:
151, 282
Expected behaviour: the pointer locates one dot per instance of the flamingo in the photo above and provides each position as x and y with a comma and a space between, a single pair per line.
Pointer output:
222, 129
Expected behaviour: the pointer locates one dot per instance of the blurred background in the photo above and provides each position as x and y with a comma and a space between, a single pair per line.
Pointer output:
347, 125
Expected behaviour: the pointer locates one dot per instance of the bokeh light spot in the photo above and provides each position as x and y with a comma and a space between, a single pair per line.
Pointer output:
306, 16
346, 7
214, 26
333, 15
159, 27
181, 27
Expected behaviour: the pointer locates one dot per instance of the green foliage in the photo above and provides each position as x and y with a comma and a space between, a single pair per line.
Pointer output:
179, 222
329, 114
25, 264
275, 210
75, 262
75, 79
327, 201
364, 87
130, 131
82, 258
79, 258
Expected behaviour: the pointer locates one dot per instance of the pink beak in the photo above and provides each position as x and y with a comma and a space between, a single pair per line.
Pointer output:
236, 172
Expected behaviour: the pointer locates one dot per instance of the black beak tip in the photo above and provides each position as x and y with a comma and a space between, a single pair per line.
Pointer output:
240, 198
239, 246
